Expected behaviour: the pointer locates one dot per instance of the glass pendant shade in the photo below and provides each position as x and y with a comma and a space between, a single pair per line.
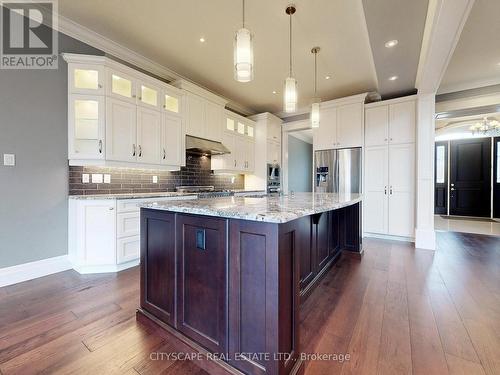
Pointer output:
315, 114
290, 95
243, 55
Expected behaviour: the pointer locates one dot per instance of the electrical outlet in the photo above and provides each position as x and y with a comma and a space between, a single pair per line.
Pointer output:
9, 160
85, 178
96, 178
155, 179
107, 178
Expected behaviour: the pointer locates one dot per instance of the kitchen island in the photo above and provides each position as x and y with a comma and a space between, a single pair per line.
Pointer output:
227, 275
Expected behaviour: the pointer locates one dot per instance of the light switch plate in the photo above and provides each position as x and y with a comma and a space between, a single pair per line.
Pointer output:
107, 178
85, 178
155, 179
96, 178
9, 160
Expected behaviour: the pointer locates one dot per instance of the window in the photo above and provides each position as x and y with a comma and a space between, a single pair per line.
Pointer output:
440, 164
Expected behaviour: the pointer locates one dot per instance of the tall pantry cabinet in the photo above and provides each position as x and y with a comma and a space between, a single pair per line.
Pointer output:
389, 187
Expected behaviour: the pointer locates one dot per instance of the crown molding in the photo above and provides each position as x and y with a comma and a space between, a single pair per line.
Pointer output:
266, 116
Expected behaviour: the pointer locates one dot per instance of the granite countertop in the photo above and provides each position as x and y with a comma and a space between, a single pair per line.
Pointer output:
271, 209
168, 194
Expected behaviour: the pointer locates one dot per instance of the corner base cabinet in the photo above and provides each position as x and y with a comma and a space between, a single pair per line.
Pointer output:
233, 287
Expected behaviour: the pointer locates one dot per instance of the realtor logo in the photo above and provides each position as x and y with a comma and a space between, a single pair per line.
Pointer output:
28, 34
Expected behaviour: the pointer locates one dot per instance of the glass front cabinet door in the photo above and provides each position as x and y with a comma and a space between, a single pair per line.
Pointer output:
86, 130
86, 79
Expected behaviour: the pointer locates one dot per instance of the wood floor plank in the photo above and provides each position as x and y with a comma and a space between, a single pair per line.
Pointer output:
487, 345
460, 366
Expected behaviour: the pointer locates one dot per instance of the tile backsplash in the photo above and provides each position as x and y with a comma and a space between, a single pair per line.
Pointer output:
124, 180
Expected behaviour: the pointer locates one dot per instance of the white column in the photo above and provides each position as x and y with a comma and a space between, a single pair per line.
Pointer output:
425, 236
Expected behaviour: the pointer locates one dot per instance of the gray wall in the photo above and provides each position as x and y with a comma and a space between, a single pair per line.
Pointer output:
33, 194
299, 165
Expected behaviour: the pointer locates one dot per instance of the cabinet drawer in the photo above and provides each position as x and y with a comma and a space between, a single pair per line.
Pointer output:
128, 205
127, 224
128, 249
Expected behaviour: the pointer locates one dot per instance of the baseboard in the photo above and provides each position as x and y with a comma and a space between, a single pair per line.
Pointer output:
105, 268
425, 239
388, 237
33, 270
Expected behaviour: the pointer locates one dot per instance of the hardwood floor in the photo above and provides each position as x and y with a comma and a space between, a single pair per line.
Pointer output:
397, 311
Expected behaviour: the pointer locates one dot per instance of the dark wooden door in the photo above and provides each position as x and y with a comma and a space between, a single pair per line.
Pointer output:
470, 177
158, 264
496, 178
202, 280
321, 238
441, 178
307, 253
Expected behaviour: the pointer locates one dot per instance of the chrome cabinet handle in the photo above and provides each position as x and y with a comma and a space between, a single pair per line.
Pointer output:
133, 148
235, 162
390, 190
385, 190
111, 208
100, 146
452, 189
140, 151
164, 154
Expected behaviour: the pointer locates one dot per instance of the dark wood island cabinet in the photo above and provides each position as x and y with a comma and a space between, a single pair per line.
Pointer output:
233, 286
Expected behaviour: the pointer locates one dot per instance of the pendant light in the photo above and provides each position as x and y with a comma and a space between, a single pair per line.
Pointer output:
290, 90
243, 53
316, 100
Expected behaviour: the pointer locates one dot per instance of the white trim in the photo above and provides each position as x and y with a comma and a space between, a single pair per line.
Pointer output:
468, 85
425, 239
33, 270
388, 237
84, 270
392, 101
121, 164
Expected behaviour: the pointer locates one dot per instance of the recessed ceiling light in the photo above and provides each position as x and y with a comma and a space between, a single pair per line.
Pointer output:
328, 77
391, 43
393, 78
274, 92
202, 40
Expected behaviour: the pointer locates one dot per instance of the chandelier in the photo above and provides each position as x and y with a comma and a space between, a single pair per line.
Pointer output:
488, 126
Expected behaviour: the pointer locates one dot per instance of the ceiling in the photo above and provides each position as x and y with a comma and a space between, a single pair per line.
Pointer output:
168, 32
459, 127
475, 62
305, 135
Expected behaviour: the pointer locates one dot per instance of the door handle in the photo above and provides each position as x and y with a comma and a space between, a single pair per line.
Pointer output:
452, 184
164, 154
390, 190
452, 189
133, 149
100, 146
385, 190
140, 151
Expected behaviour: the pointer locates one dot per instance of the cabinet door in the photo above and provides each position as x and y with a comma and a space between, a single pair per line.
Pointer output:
158, 264
250, 155
402, 122
274, 132
325, 137
376, 126
213, 121
376, 190
86, 79
96, 223
128, 249
148, 95
171, 140
148, 136
321, 231
121, 130
196, 116
350, 125
240, 146
86, 127
202, 280
121, 86
402, 190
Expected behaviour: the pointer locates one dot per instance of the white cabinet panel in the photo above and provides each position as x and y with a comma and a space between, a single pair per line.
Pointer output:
196, 116
402, 190
273, 152
86, 79
127, 224
128, 249
97, 234
121, 130
350, 125
274, 132
121, 86
148, 135
240, 145
213, 121
325, 137
402, 122
376, 126
250, 155
171, 139
376, 190
149, 95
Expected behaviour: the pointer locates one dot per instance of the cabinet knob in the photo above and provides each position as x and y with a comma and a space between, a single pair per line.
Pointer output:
111, 208
99, 86
385, 139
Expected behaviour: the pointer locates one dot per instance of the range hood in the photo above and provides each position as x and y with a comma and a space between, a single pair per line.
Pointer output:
205, 146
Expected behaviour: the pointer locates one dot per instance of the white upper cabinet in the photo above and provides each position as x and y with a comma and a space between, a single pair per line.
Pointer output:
376, 129
148, 136
375, 202
250, 155
392, 122
86, 127
196, 116
402, 122
121, 130
325, 137
213, 121
350, 125
116, 116
86, 79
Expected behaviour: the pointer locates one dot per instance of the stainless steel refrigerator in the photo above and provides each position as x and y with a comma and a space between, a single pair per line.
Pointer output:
338, 171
